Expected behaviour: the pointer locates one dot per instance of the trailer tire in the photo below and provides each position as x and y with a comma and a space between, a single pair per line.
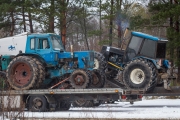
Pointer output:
98, 104
79, 103
89, 103
139, 74
37, 104
99, 61
22, 73
63, 106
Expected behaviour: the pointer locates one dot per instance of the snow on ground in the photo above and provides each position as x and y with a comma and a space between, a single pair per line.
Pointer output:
146, 109
156, 109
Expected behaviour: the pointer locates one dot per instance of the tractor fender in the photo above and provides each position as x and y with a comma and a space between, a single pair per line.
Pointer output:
34, 55
149, 59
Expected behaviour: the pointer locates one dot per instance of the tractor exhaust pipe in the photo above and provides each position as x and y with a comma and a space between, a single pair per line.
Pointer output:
72, 51
124, 38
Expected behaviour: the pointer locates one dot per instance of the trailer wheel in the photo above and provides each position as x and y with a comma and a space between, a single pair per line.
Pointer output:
63, 106
79, 79
83, 103
98, 79
98, 104
37, 104
139, 74
22, 73
79, 103
99, 61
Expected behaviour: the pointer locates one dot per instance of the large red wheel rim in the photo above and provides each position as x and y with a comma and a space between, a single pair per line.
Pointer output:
22, 74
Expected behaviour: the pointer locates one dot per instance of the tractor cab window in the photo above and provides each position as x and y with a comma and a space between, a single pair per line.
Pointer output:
133, 48
148, 48
56, 43
43, 43
32, 44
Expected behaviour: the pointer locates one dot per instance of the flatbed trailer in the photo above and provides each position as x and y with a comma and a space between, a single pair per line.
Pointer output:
55, 97
160, 91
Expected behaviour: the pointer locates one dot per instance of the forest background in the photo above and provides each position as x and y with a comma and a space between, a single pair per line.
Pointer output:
90, 24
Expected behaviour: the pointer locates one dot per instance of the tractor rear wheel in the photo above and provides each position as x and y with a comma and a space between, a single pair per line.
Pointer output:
22, 73
41, 69
139, 74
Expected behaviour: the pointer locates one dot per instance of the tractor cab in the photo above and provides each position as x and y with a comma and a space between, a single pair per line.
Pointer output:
144, 45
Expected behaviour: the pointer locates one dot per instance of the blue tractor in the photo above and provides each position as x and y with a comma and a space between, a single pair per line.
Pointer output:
40, 61
139, 64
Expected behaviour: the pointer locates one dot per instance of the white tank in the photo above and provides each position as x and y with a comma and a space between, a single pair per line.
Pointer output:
12, 45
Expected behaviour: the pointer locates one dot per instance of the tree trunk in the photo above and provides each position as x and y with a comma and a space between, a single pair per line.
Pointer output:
12, 23
100, 22
119, 3
111, 23
178, 49
51, 17
30, 22
172, 48
63, 28
23, 15
85, 29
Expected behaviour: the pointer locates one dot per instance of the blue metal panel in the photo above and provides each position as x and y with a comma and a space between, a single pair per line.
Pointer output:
5, 60
49, 55
81, 55
143, 35
154, 61
166, 63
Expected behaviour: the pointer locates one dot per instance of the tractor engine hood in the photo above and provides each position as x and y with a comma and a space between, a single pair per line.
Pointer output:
85, 58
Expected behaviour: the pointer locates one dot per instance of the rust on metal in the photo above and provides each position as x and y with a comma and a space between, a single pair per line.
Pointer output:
79, 80
22, 74
59, 83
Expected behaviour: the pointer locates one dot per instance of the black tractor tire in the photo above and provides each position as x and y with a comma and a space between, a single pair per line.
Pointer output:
22, 73
63, 106
110, 73
98, 78
139, 74
154, 81
79, 79
99, 61
38, 104
42, 72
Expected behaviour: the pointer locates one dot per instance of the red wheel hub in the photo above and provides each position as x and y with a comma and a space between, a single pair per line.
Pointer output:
22, 74
79, 80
